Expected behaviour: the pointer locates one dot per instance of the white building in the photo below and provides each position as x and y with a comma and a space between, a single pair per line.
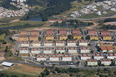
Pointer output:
71, 43
72, 50
98, 56
106, 61
60, 50
24, 50
85, 50
35, 50
41, 58
85, 56
83, 43
60, 43
24, 44
66, 58
47, 51
8, 64
48, 43
92, 62
111, 56
54, 58
36, 44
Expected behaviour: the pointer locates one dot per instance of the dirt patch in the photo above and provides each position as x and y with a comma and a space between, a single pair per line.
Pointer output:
26, 69
16, 20
2, 56
110, 23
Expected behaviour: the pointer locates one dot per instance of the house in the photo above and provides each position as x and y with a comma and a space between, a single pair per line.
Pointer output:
62, 32
47, 50
60, 43
24, 50
66, 58
110, 48
92, 32
41, 58
23, 38
53, 21
83, 43
106, 61
54, 58
49, 37
34, 32
16, 37
105, 33
77, 36
60, 49
103, 48
63, 37
49, 32
24, 32
92, 62
98, 56
85, 56
107, 37
24, 44
35, 50
85, 50
48, 43
111, 56
76, 31
36, 44
33, 38
71, 43
72, 50
94, 37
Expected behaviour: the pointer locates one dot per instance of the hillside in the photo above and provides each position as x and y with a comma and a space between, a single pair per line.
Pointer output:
52, 7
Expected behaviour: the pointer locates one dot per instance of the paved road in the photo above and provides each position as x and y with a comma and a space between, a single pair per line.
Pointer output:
101, 67
8, 38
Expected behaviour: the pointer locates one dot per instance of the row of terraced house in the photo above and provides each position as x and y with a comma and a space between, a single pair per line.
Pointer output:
55, 45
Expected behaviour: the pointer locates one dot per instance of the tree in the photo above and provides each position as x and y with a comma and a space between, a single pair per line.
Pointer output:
70, 37
46, 71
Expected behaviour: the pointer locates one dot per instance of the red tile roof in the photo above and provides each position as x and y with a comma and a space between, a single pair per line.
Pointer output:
92, 60
49, 32
106, 60
62, 32
92, 32
103, 48
109, 47
76, 31
105, 33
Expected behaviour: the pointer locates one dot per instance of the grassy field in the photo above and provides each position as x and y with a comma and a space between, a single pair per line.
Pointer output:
21, 23
21, 70
7, 20
2, 36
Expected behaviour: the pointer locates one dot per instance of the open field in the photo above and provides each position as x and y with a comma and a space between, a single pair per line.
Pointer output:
18, 23
21, 69
7, 20
2, 37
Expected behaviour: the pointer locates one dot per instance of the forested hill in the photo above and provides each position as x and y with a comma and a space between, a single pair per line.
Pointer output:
51, 7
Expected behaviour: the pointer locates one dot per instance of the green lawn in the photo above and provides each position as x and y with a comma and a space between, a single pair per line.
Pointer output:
21, 23
3, 37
